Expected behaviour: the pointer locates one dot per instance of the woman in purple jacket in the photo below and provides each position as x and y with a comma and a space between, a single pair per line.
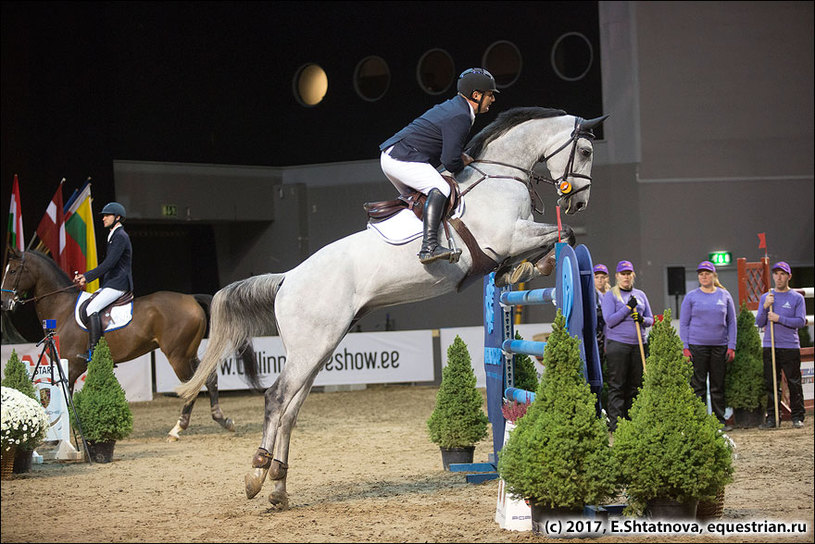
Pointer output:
707, 327
623, 307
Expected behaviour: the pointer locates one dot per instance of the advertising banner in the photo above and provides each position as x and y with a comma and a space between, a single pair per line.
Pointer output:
361, 358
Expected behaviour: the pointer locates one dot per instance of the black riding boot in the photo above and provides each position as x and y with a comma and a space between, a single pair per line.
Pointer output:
433, 211
94, 332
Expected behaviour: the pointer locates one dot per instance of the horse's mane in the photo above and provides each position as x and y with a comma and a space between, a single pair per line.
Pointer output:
505, 121
59, 275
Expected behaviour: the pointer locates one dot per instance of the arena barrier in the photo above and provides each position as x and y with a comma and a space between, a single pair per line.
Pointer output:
754, 280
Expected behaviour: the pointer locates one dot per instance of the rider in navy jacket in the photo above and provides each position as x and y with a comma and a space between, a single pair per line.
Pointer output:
437, 137
411, 156
115, 271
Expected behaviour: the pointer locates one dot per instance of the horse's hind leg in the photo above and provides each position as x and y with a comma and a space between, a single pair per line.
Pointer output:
278, 498
182, 423
276, 466
215, 408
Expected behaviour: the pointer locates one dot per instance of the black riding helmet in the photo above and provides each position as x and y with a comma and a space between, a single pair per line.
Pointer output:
476, 79
114, 208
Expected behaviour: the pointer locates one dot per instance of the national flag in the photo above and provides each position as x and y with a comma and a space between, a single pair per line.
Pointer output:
762, 242
80, 239
15, 236
51, 229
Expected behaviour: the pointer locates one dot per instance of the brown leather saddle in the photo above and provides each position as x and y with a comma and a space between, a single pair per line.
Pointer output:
105, 313
482, 263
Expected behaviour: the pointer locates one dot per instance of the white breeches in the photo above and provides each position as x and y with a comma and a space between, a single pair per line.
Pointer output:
106, 296
405, 176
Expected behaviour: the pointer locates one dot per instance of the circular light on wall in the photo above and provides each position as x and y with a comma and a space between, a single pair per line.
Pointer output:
572, 56
310, 84
435, 71
372, 77
503, 60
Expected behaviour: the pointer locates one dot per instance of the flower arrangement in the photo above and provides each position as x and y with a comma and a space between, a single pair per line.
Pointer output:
514, 410
24, 421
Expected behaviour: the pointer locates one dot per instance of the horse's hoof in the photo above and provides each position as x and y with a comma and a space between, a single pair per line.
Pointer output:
172, 437
546, 265
254, 481
522, 273
279, 501
502, 279
229, 425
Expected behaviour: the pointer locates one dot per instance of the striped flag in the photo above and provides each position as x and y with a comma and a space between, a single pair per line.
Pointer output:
15, 234
80, 240
51, 229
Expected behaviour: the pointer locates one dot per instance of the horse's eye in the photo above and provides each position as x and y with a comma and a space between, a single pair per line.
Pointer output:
585, 151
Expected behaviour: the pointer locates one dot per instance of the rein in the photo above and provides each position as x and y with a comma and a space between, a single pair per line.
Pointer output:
20, 301
563, 186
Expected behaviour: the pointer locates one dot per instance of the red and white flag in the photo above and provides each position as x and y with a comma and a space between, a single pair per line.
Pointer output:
15, 219
51, 229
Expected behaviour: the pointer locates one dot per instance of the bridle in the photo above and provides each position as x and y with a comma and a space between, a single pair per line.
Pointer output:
15, 299
561, 184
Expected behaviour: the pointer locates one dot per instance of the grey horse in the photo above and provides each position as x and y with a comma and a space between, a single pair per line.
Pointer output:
314, 305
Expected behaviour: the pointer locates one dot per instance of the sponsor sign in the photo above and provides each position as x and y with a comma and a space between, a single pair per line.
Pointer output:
361, 358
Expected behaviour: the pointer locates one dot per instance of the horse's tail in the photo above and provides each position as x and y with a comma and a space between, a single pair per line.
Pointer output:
205, 301
240, 311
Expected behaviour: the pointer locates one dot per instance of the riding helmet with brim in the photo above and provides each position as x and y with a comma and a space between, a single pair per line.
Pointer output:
114, 208
476, 79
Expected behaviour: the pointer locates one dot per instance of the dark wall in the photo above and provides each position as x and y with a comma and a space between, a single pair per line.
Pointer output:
205, 82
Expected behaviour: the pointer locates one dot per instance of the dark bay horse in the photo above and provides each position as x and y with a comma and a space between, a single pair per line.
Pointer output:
173, 322
314, 305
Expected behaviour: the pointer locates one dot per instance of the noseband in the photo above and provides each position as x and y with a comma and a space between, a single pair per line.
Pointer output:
561, 184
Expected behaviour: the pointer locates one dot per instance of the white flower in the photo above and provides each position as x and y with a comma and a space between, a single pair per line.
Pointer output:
24, 421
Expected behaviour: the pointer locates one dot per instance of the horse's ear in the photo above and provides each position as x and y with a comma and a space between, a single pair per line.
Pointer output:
14, 253
589, 124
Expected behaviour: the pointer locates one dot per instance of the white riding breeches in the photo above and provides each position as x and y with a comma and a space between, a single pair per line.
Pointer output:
106, 296
405, 176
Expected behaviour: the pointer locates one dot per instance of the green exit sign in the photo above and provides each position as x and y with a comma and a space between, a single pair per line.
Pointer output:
720, 258
169, 210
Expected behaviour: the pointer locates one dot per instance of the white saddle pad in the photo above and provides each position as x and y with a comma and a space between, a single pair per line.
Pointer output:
119, 315
404, 226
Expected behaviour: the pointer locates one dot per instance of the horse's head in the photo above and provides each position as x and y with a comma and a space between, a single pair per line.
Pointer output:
569, 156
15, 280
30, 271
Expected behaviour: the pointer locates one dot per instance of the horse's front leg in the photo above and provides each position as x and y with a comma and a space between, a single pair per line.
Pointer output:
534, 244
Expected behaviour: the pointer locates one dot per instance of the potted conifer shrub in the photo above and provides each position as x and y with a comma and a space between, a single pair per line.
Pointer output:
744, 381
671, 453
16, 376
558, 457
458, 420
102, 407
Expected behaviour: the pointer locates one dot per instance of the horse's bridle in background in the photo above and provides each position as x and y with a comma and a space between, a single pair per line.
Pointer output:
562, 184
15, 299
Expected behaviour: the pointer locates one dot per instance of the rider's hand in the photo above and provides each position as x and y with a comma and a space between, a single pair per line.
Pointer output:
79, 279
632, 303
731, 354
769, 300
686, 353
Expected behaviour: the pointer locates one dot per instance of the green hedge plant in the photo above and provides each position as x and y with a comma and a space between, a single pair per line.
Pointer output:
744, 381
458, 419
101, 404
671, 449
16, 376
558, 456
526, 376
